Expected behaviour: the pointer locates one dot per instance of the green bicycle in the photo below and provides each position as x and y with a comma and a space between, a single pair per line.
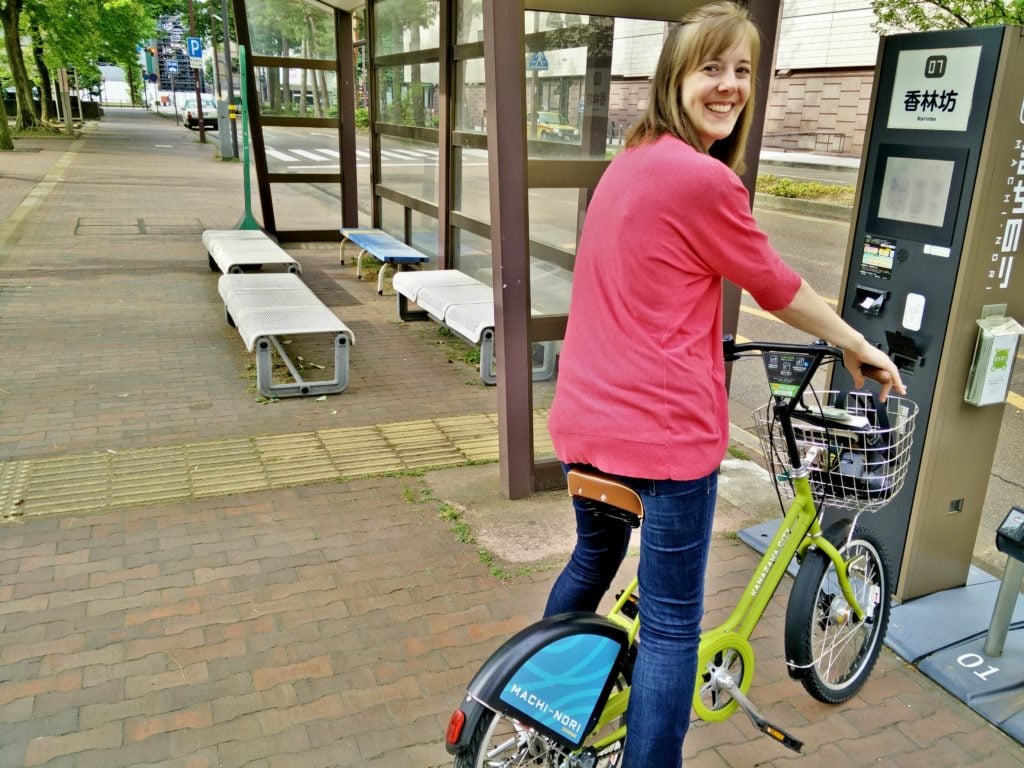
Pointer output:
556, 693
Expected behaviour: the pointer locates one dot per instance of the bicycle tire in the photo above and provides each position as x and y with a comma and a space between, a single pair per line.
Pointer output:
828, 650
522, 746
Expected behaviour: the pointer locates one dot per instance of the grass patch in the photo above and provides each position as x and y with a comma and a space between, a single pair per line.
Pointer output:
780, 186
45, 131
738, 453
456, 350
450, 514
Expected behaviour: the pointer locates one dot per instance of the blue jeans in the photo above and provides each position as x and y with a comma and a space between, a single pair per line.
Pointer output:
677, 527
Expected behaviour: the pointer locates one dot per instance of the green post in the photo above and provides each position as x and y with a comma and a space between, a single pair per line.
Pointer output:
248, 221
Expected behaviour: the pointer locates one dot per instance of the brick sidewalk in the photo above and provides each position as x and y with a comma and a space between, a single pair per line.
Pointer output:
321, 625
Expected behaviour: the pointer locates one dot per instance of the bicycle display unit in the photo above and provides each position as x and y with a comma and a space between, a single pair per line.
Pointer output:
556, 693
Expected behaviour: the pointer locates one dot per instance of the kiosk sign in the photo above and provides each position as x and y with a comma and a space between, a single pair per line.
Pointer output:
933, 89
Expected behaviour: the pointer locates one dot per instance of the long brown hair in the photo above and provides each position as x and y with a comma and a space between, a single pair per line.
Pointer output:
703, 34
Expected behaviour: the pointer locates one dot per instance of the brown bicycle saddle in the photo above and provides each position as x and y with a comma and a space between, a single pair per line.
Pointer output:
592, 485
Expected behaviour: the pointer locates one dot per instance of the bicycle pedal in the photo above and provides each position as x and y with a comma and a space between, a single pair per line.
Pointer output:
780, 736
728, 683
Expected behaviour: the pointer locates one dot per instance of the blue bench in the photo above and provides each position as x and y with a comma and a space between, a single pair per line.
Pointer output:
383, 247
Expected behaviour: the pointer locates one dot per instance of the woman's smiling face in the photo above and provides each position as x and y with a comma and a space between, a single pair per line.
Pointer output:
715, 93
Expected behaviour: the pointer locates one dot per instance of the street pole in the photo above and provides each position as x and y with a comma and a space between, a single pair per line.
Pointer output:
216, 67
195, 75
227, 66
248, 221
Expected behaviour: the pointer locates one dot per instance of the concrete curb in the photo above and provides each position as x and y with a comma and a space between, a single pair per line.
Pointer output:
817, 208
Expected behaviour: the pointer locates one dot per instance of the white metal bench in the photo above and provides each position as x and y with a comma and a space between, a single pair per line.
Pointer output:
388, 250
265, 307
465, 306
231, 251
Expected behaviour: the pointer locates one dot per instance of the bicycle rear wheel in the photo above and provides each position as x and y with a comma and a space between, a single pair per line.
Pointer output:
828, 649
501, 742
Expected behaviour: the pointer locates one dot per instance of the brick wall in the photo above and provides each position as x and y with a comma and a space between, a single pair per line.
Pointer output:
821, 111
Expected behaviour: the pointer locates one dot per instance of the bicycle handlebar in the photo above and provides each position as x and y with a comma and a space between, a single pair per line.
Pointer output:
819, 348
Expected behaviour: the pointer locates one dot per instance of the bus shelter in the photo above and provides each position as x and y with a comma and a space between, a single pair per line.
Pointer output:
514, 109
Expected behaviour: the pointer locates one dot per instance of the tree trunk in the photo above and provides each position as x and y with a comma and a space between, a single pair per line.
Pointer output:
416, 86
44, 72
10, 15
304, 79
133, 86
324, 99
6, 142
284, 81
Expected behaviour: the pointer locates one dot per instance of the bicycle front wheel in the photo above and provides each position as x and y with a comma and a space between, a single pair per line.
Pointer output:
828, 649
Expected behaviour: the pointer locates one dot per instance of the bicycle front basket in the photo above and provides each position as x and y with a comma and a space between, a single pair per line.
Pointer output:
865, 447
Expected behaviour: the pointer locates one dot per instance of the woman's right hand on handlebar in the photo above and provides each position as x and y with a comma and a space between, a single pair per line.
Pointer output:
868, 361
809, 313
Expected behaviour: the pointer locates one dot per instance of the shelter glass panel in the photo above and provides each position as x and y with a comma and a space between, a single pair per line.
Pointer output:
470, 108
543, 450
301, 150
290, 28
473, 255
424, 234
471, 193
409, 167
405, 25
568, 84
553, 218
297, 91
317, 211
392, 219
469, 22
408, 94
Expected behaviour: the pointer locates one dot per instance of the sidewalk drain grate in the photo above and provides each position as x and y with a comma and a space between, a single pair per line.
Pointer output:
110, 480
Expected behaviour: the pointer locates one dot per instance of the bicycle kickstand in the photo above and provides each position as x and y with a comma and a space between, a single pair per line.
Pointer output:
728, 683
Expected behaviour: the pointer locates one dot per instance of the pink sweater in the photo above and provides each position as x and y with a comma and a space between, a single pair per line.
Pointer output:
641, 382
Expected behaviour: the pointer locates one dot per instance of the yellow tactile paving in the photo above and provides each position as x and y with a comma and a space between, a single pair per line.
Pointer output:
358, 451
421, 444
295, 459
111, 479
115, 479
225, 467
13, 478
475, 436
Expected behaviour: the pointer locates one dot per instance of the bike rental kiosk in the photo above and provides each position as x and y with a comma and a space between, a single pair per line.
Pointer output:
935, 276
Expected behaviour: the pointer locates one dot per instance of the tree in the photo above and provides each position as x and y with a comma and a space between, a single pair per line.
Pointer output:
393, 19
74, 34
6, 143
921, 15
10, 16
122, 25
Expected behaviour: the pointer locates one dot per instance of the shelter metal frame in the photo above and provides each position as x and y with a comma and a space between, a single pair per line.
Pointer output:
512, 171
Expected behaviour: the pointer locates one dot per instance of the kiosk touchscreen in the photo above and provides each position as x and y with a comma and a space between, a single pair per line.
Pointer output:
935, 234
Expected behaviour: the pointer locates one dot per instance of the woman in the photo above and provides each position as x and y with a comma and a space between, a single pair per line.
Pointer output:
641, 388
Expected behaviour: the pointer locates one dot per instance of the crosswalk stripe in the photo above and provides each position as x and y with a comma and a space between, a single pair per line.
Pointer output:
331, 152
306, 153
280, 155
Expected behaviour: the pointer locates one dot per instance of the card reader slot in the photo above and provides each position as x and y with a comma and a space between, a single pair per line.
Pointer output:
869, 300
903, 351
